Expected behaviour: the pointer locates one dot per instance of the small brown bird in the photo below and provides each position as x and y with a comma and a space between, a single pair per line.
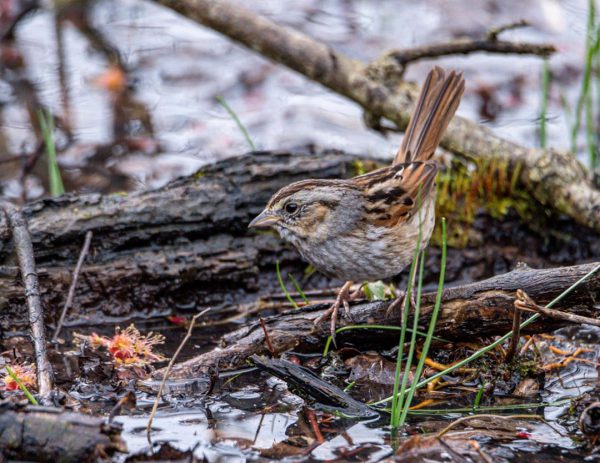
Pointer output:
366, 228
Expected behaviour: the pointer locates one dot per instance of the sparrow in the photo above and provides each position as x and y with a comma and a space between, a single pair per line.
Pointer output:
366, 228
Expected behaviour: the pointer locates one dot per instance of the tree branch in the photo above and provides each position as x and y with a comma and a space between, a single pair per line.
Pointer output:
555, 178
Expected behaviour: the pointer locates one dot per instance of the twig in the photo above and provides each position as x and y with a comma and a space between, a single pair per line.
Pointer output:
267, 337
524, 302
467, 46
494, 32
168, 370
516, 335
488, 44
128, 401
312, 419
484, 415
477, 447
24, 248
71, 293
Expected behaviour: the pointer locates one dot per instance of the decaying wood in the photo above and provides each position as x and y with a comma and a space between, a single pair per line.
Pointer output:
24, 250
182, 245
471, 311
554, 177
49, 435
186, 246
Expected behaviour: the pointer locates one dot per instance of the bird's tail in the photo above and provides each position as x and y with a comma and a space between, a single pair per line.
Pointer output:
438, 101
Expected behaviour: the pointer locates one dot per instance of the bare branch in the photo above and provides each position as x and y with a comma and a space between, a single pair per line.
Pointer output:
24, 248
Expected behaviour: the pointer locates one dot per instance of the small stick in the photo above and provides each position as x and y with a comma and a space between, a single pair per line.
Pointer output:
168, 370
312, 419
484, 415
24, 248
514, 340
267, 337
71, 293
524, 302
494, 32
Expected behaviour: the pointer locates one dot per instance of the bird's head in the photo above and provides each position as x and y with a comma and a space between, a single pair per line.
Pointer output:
311, 210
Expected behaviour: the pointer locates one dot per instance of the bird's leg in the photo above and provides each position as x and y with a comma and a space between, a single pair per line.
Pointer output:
400, 300
341, 299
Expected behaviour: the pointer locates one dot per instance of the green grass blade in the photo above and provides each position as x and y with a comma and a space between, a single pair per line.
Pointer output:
297, 286
47, 127
544, 104
487, 409
16, 379
396, 399
478, 397
587, 73
283, 288
236, 119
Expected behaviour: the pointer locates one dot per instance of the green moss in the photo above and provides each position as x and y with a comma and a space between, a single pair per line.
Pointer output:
467, 188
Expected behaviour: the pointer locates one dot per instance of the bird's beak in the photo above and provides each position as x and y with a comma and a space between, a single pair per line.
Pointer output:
265, 219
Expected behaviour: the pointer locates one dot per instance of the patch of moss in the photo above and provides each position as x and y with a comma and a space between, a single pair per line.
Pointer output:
464, 189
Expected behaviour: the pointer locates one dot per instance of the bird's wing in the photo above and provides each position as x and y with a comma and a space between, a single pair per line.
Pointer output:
392, 195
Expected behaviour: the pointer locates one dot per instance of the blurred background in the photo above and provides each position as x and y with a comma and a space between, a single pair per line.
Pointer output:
133, 89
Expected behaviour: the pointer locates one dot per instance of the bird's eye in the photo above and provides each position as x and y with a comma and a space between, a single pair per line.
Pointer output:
291, 208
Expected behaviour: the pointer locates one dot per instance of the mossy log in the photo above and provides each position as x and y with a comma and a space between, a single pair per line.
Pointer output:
468, 312
186, 246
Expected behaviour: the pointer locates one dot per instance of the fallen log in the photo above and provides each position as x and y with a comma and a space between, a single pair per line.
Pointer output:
186, 246
471, 311
182, 245
46, 434
553, 177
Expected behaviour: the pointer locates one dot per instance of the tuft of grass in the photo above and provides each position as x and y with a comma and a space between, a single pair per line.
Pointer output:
17, 380
430, 329
236, 119
587, 73
397, 399
47, 127
544, 104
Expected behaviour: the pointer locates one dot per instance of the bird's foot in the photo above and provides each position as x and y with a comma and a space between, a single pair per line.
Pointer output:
400, 303
341, 300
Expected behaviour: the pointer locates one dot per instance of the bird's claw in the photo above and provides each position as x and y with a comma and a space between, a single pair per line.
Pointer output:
342, 299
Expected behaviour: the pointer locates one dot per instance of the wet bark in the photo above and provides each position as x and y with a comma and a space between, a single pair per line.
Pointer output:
49, 435
468, 312
555, 178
